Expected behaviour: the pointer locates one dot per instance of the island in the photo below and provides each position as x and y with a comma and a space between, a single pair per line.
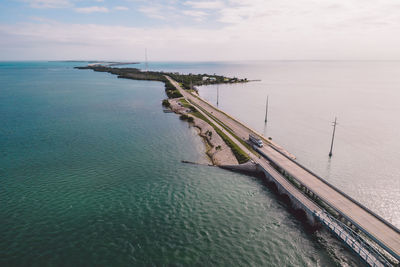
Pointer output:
188, 81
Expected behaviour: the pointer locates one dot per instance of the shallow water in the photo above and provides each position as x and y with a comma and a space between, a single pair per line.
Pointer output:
91, 174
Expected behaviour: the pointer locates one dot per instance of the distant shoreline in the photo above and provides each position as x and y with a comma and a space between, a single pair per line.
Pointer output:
188, 81
98, 62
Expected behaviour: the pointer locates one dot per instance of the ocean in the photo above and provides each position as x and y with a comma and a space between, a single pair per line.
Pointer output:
91, 172
304, 99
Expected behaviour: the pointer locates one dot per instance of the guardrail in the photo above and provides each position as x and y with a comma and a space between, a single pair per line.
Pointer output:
365, 251
340, 191
341, 213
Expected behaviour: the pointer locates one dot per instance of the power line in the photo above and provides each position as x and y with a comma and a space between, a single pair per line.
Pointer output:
266, 112
333, 136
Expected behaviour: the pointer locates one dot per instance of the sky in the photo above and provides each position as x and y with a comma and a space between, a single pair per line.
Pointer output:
188, 30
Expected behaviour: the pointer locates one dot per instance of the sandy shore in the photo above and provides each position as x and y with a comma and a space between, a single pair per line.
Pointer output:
219, 152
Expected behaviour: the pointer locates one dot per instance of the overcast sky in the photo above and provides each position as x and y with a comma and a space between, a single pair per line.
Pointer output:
200, 30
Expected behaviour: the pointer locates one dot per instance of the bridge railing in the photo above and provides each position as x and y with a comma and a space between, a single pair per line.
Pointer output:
327, 202
364, 250
340, 191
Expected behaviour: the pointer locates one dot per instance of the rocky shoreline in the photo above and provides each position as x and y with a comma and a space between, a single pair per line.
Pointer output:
216, 149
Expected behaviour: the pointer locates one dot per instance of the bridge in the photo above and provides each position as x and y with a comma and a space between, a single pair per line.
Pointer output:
311, 193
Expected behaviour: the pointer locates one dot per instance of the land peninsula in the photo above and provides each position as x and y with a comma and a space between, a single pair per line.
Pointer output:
187, 81
221, 149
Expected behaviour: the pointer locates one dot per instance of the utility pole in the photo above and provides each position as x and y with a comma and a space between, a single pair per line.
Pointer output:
333, 136
266, 112
217, 94
145, 58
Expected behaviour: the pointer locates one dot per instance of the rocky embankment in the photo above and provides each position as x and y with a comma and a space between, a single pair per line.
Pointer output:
219, 152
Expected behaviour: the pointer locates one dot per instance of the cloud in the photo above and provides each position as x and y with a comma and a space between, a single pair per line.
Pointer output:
91, 9
243, 29
172, 13
155, 12
205, 4
98, 41
198, 15
49, 3
121, 8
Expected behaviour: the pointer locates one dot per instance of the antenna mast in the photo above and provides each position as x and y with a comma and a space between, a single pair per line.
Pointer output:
333, 136
145, 58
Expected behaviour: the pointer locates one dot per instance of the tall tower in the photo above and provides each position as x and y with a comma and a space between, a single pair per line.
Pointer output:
145, 60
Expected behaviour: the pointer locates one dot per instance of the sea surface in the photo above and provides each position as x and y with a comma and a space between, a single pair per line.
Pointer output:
91, 172
304, 99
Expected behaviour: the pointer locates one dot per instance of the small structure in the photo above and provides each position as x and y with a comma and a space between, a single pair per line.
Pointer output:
210, 79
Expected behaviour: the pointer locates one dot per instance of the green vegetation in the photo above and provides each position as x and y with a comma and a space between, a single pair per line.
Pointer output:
183, 117
240, 155
228, 130
187, 81
170, 89
201, 116
166, 103
128, 73
173, 94
185, 103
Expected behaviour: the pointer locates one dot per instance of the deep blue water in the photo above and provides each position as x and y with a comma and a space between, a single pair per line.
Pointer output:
91, 175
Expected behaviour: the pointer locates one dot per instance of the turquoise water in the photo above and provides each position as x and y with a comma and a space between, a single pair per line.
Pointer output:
91, 175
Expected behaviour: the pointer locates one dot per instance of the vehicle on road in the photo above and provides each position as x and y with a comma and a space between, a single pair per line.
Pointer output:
255, 140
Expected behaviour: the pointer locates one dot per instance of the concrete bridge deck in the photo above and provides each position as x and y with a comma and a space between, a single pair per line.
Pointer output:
385, 234
374, 227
